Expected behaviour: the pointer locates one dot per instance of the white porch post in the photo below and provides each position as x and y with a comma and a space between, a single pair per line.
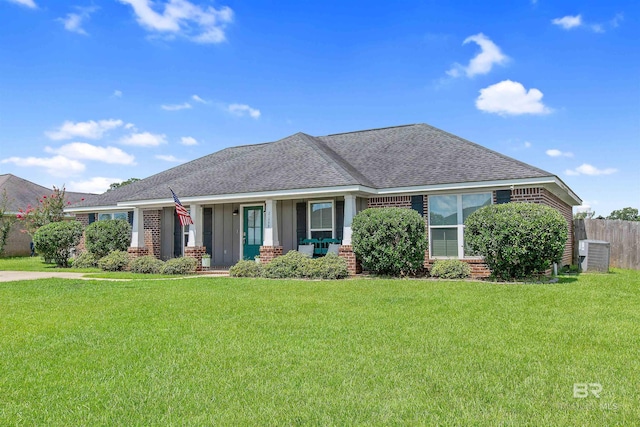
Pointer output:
349, 213
271, 223
137, 229
195, 229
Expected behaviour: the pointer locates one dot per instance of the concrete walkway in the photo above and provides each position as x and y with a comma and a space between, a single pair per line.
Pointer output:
12, 276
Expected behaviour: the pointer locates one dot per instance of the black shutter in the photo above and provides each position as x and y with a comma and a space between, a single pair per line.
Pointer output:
207, 230
417, 204
177, 236
92, 218
339, 219
301, 221
130, 218
503, 196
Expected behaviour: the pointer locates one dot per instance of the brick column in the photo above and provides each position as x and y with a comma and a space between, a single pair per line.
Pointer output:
137, 252
267, 253
195, 252
346, 252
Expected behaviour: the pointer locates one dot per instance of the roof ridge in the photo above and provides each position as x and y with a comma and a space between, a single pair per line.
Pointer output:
374, 129
488, 149
334, 159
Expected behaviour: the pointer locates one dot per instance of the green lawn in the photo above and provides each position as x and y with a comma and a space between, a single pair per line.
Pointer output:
364, 351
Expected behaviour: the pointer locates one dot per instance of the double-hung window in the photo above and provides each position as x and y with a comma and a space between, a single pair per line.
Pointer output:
321, 219
447, 215
116, 215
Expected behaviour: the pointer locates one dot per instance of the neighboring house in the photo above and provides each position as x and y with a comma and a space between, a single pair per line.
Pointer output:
263, 199
20, 194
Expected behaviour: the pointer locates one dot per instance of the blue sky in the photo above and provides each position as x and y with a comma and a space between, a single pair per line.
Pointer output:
93, 92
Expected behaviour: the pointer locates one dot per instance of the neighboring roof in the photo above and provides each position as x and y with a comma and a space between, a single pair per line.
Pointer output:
21, 193
402, 156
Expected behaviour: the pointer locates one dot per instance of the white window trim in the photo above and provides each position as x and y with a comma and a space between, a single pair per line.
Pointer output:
333, 217
459, 226
112, 214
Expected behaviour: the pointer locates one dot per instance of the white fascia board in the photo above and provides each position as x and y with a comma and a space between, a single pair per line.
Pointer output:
102, 209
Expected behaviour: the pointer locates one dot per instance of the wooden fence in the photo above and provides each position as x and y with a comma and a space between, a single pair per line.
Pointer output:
624, 237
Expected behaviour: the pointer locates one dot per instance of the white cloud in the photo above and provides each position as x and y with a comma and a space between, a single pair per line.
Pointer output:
144, 139
90, 129
84, 151
183, 18
28, 3
242, 110
527, 144
568, 22
130, 126
73, 22
176, 107
587, 169
57, 165
557, 153
96, 185
168, 158
489, 55
188, 140
511, 98
117, 94
198, 99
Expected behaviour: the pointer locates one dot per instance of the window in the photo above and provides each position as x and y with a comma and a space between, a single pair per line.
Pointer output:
447, 215
321, 220
115, 215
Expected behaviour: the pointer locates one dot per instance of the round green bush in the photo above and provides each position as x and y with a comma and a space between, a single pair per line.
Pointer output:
450, 269
147, 264
115, 261
54, 241
291, 265
182, 265
517, 240
103, 237
246, 268
85, 260
390, 241
329, 267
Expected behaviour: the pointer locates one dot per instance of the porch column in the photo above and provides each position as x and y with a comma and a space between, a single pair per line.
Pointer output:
137, 230
346, 250
195, 229
137, 247
270, 248
349, 213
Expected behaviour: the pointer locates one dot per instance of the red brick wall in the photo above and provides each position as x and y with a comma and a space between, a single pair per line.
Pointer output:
151, 221
84, 220
267, 253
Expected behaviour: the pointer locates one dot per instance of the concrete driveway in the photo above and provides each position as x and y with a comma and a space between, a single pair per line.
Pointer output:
12, 276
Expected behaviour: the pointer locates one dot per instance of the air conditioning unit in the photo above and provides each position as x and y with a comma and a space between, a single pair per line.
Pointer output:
594, 255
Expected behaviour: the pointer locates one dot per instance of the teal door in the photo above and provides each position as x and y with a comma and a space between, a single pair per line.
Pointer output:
252, 232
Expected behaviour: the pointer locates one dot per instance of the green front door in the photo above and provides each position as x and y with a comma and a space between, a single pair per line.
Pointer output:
252, 232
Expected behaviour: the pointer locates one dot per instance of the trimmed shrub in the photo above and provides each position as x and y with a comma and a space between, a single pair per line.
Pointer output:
115, 261
450, 269
85, 260
182, 265
147, 264
330, 266
517, 240
390, 241
55, 240
246, 268
292, 264
103, 237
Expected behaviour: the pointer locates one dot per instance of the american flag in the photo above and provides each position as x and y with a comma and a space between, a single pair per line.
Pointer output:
183, 214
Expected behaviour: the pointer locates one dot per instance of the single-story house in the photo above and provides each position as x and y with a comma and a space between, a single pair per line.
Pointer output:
20, 194
264, 199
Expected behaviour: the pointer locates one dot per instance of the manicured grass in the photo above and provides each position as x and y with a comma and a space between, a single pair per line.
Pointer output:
364, 351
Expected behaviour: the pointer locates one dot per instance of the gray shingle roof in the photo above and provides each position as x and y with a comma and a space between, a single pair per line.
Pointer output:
399, 156
21, 193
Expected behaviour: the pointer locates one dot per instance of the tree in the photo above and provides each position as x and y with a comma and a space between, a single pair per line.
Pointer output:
103, 237
6, 221
115, 185
517, 240
50, 209
625, 214
584, 214
390, 240
55, 240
